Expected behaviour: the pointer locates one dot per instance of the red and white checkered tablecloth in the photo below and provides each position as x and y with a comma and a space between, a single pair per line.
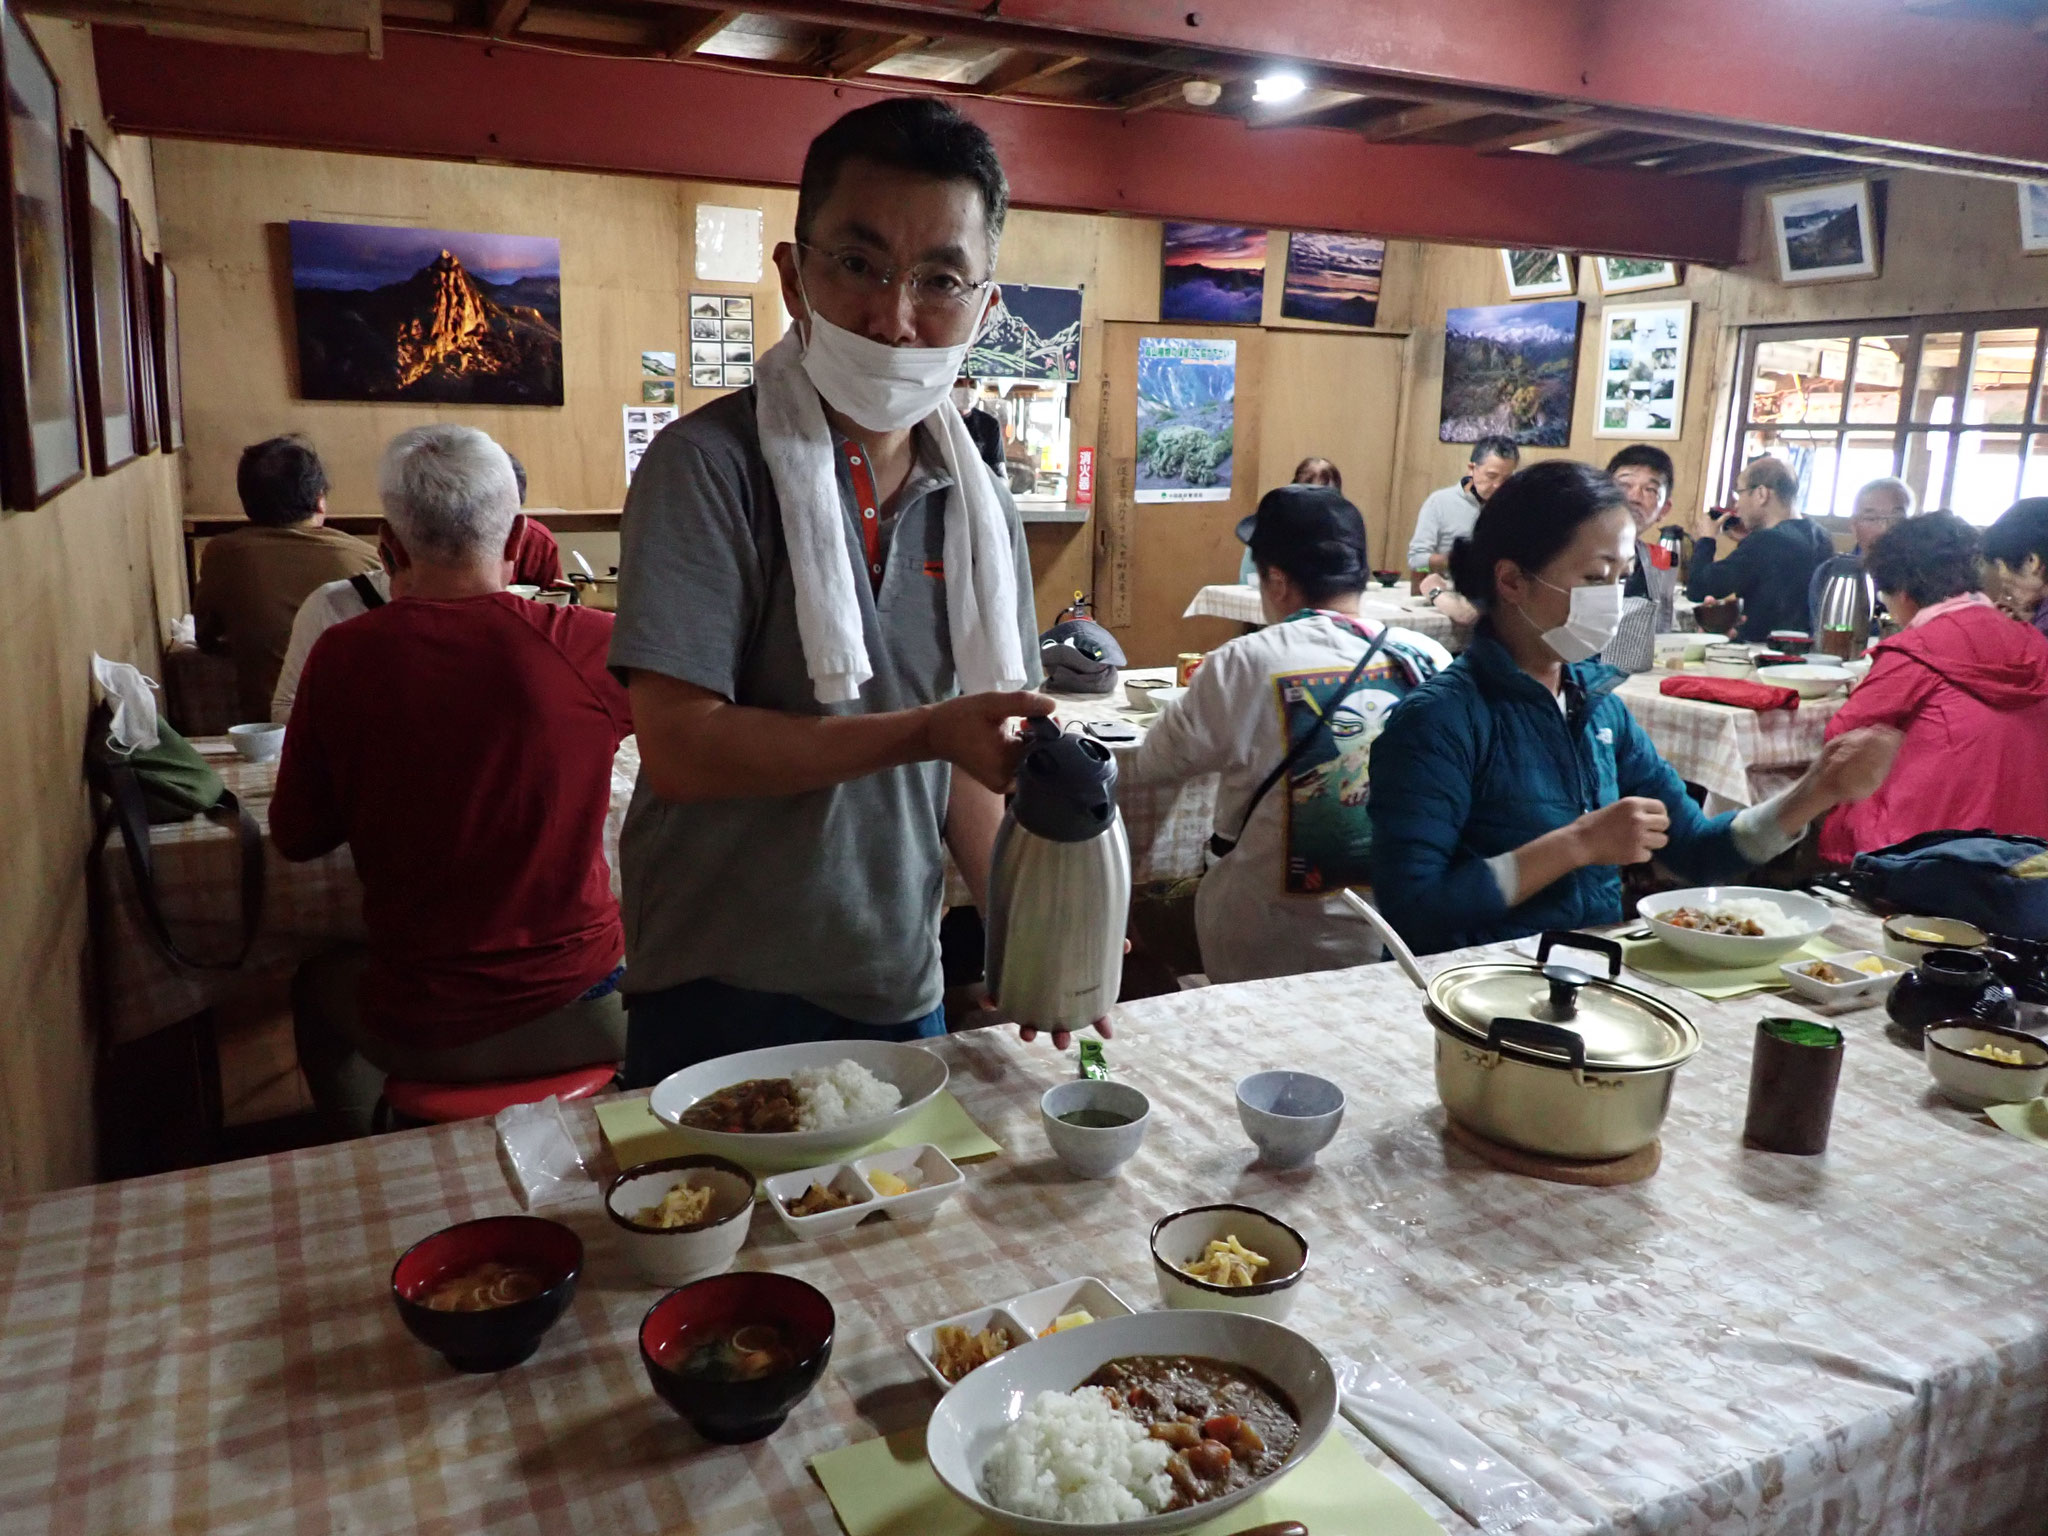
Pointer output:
1744, 1345
1740, 757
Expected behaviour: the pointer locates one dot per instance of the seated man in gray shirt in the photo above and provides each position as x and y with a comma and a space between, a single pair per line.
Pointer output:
1450, 514
783, 857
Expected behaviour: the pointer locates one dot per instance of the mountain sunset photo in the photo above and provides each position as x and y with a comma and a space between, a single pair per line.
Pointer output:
427, 315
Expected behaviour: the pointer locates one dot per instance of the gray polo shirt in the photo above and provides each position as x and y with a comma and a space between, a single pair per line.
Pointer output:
835, 895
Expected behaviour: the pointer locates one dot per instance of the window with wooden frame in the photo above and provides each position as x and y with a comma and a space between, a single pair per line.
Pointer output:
1954, 405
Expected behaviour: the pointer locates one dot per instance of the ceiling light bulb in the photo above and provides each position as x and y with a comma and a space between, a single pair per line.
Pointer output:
1201, 93
1276, 88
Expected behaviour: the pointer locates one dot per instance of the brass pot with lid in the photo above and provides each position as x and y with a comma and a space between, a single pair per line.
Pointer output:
1548, 1058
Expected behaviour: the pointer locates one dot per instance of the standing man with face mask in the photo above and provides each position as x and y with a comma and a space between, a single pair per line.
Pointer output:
826, 623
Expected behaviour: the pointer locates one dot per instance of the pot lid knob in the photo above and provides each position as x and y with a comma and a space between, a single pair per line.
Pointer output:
1565, 981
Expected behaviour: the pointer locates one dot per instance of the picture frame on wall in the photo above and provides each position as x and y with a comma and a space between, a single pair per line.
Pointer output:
1824, 234
1644, 349
42, 443
163, 293
99, 282
141, 347
1539, 274
1635, 274
2034, 217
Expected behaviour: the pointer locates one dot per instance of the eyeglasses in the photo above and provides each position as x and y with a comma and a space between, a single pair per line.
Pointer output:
935, 289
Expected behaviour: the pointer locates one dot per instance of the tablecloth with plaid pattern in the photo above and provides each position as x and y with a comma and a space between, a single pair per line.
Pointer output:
1740, 757
1746, 1343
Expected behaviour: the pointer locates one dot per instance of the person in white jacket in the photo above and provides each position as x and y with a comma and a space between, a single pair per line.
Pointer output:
1271, 903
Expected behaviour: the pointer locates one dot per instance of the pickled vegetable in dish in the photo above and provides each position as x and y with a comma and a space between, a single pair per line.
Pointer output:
685, 1205
955, 1351
746, 1353
1079, 1318
819, 1199
1820, 970
483, 1288
1228, 1426
1226, 1261
887, 1184
758, 1106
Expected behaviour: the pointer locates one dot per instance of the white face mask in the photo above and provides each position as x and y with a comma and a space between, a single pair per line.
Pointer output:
885, 389
1593, 622
963, 400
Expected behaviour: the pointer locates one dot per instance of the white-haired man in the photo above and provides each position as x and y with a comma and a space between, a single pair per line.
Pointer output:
459, 739
1879, 508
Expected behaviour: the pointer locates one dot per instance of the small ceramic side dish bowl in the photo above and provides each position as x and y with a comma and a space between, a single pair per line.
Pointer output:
672, 1256
1290, 1116
932, 1176
1184, 1237
734, 1353
1143, 692
259, 742
1909, 938
497, 1337
1095, 1126
1975, 1081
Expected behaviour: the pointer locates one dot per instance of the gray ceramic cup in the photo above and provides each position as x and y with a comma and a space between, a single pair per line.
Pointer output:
1290, 1116
1094, 1152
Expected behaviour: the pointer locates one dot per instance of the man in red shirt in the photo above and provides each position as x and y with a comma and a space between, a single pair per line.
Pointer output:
459, 739
536, 557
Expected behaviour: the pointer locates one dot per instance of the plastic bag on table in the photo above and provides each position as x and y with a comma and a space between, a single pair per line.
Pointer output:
539, 1153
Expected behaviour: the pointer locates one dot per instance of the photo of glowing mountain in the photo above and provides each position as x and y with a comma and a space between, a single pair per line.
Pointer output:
427, 315
1214, 273
1333, 278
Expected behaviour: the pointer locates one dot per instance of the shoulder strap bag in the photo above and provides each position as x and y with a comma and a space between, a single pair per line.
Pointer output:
165, 783
366, 589
1219, 845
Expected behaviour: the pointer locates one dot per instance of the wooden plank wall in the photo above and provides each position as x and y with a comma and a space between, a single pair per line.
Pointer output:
98, 568
1951, 246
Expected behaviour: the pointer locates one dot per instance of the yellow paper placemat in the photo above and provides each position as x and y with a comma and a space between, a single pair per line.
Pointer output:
2028, 1121
1659, 961
887, 1488
635, 1136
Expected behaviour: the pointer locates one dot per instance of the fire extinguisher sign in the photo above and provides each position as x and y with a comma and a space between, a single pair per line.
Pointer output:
1084, 477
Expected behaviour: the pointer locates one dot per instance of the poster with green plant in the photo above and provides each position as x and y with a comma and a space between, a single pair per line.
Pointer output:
1187, 394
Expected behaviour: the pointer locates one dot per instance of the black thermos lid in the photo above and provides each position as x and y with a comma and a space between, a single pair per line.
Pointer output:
1066, 787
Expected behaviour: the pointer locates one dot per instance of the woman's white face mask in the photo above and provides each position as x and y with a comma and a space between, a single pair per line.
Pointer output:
1591, 624
882, 388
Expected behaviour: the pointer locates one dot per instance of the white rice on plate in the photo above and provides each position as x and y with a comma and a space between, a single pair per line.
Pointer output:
844, 1093
1072, 1457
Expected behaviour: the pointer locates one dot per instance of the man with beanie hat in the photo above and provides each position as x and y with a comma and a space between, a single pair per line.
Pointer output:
1286, 715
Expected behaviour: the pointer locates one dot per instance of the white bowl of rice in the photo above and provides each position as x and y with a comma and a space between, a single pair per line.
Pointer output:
1017, 1433
851, 1094
1735, 926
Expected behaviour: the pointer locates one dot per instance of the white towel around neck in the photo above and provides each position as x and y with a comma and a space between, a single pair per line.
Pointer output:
981, 576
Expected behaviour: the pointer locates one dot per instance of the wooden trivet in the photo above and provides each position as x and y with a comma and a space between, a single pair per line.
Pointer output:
1632, 1169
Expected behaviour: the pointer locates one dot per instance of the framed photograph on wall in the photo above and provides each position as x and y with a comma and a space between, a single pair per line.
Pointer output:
2034, 216
1824, 233
1643, 349
163, 295
1509, 369
99, 281
1539, 274
142, 344
1212, 272
1633, 274
44, 448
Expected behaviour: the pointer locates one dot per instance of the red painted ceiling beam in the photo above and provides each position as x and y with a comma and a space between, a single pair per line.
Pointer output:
458, 98
1877, 71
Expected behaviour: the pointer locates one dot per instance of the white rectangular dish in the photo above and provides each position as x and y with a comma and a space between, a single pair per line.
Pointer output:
932, 1176
1836, 995
1023, 1318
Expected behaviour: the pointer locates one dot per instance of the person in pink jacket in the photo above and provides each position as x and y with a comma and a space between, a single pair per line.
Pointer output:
1966, 684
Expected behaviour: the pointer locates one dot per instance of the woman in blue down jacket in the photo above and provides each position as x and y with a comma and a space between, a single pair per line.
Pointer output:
1508, 790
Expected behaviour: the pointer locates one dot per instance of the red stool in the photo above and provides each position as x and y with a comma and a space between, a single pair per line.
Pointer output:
407, 1100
